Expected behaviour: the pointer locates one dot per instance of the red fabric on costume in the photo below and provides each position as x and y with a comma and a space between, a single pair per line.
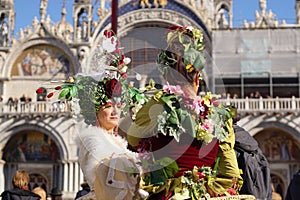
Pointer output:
189, 152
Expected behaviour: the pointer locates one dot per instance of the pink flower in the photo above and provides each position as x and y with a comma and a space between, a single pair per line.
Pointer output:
205, 127
173, 89
231, 191
199, 107
125, 75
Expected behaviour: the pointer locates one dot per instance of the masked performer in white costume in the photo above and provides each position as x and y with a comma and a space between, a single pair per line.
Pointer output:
97, 98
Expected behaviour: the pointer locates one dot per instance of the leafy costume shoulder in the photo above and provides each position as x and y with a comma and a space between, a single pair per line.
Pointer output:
166, 113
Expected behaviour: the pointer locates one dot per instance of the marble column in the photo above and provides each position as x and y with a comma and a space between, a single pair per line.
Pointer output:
2, 178
66, 172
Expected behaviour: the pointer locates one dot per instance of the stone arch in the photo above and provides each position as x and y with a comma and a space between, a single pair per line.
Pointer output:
277, 142
55, 43
155, 19
133, 18
48, 153
280, 144
227, 7
41, 128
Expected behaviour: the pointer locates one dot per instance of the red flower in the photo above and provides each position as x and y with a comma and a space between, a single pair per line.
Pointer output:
215, 103
125, 75
40, 90
231, 191
57, 88
50, 95
107, 33
113, 87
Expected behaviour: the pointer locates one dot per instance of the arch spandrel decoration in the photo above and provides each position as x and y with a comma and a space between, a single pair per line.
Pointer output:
42, 61
31, 146
157, 17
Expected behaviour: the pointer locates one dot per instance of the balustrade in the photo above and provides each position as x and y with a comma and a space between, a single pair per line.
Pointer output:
248, 105
264, 105
39, 107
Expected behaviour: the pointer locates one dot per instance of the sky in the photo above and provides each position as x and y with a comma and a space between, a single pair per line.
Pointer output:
242, 9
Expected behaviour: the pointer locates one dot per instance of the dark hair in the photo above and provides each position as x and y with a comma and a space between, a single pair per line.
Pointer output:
183, 56
171, 74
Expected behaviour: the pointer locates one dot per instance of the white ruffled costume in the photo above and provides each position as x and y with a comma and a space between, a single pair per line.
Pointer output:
105, 160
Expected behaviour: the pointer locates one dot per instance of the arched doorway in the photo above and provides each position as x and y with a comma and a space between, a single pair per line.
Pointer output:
35, 152
281, 150
37, 180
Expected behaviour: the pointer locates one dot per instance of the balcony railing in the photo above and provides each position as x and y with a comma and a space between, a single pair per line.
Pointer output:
40, 108
264, 105
244, 106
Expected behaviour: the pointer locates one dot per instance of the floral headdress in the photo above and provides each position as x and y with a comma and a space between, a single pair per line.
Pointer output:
106, 79
191, 40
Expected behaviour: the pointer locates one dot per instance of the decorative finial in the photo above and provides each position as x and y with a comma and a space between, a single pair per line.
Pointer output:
43, 9
263, 6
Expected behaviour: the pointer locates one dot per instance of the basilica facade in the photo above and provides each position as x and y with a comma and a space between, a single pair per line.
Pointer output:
255, 67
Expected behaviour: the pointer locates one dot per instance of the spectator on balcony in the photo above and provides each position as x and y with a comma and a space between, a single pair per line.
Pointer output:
257, 95
22, 101
10, 103
16, 102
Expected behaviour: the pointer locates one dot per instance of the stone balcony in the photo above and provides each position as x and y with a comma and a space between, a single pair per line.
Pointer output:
268, 106
245, 106
34, 109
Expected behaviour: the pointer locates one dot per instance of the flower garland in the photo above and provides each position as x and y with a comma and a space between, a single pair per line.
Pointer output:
202, 117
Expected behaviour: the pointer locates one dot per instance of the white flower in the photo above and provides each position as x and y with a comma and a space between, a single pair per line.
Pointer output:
109, 44
75, 107
190, 28
123, 69
127, 60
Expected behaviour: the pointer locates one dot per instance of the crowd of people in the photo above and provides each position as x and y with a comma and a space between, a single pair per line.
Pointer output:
13, 103
21, 190
177, 143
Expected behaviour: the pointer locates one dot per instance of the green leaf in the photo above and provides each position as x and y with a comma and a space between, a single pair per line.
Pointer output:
158, 177
171, 166
64, 92
189, 124
194, 57
73, 91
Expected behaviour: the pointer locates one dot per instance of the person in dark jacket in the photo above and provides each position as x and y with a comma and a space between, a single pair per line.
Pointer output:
85, 190
20, 189
293, 191
56, 194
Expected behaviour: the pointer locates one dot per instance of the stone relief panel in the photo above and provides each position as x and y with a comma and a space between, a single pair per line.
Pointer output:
31, 146
44, 60
278, 145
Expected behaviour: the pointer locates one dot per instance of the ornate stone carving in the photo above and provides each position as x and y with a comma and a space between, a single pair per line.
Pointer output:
148, 4
264, 19
43, 8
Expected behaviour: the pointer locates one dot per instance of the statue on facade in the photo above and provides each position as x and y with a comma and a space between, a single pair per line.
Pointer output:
161, 3
3, 34
43, 8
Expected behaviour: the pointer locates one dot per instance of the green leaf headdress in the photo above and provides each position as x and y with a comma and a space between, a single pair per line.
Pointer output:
191, 45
